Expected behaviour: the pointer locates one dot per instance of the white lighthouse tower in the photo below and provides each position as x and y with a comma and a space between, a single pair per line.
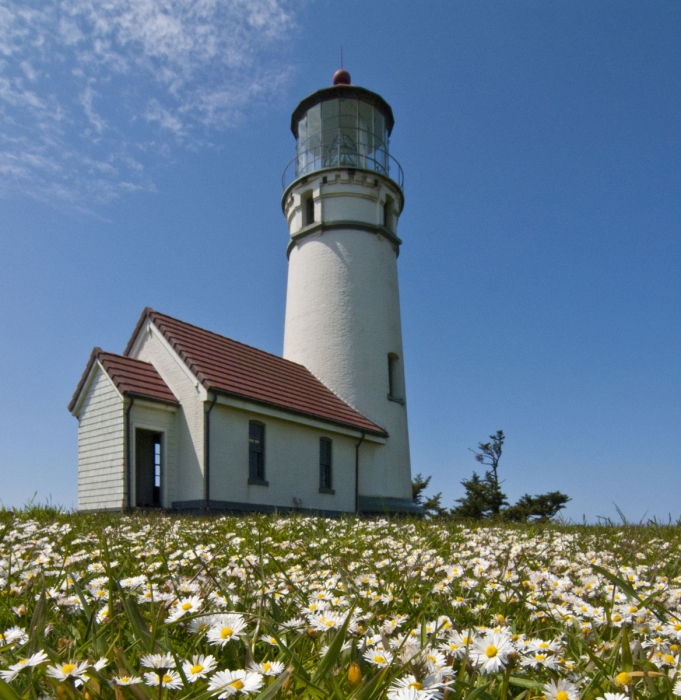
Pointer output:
343, 198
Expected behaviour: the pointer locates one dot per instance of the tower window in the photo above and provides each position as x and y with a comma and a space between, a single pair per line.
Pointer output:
325, 465
309, 210
395, 388
256, 453
388, 214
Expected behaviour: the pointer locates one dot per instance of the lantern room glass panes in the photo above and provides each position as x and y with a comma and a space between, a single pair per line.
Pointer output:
342, 133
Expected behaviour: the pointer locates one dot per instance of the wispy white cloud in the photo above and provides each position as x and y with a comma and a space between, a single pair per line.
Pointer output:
85, 84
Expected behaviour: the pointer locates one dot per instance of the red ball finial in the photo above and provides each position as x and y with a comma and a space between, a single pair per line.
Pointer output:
341, 77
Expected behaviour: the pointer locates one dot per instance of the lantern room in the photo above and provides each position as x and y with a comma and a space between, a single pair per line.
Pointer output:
343, 126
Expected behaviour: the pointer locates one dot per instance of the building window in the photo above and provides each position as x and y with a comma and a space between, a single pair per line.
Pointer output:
256, 453
325, 465
395, 389
388, 214
309, 209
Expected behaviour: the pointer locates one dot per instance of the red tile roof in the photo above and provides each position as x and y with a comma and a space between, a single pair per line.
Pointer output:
131, 377
228, 367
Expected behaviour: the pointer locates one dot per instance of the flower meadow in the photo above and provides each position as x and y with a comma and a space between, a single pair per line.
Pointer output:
154, 607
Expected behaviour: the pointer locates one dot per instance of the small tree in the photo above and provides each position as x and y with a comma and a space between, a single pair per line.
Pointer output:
536, 508
490, 453
484, 498
432, 504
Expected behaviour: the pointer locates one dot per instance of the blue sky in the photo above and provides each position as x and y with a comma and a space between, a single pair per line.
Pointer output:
141, 149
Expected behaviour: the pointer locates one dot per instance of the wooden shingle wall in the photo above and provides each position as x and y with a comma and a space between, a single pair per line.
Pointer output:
101, 453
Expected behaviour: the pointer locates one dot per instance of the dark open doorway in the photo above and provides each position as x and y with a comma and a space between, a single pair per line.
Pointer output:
147, 468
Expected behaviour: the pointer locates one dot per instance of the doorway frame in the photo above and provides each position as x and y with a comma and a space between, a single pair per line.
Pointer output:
163, 463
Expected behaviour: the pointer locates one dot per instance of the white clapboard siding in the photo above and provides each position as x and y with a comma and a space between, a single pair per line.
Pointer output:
101, 448
184, 480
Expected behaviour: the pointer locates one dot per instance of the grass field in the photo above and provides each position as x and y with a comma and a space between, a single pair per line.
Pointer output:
154, 607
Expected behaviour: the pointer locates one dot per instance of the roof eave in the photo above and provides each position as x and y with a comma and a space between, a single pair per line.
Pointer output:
147, 397
83, 381
379, 432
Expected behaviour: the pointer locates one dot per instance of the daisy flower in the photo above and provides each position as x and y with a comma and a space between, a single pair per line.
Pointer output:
226, 628
227, 683
562, 690
127, 680
326, 621
268, 668
158, 661
14, 670
407, 694
169, 679
199, 667
427, 689
184, 606
69, 670
490, 652
538, 659
378, 657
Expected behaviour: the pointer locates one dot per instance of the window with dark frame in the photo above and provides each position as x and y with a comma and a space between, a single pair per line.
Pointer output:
309, 210
392, 360
325, 464
256, 451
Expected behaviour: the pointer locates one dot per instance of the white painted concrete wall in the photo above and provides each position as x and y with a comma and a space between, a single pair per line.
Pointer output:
343, 311
185, 475
160, 419
101, 449
291, 463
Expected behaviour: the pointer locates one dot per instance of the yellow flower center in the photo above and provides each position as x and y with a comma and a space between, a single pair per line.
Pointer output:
562, 695
67, 668
329, 623
124, 679
167, 678
622, 679
491, 651
543, 645
416, 685
197, 668
266, 667
669, 658
379, 659
226, 632
186, 606
237, 684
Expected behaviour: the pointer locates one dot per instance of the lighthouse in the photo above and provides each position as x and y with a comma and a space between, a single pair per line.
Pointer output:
343, 196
